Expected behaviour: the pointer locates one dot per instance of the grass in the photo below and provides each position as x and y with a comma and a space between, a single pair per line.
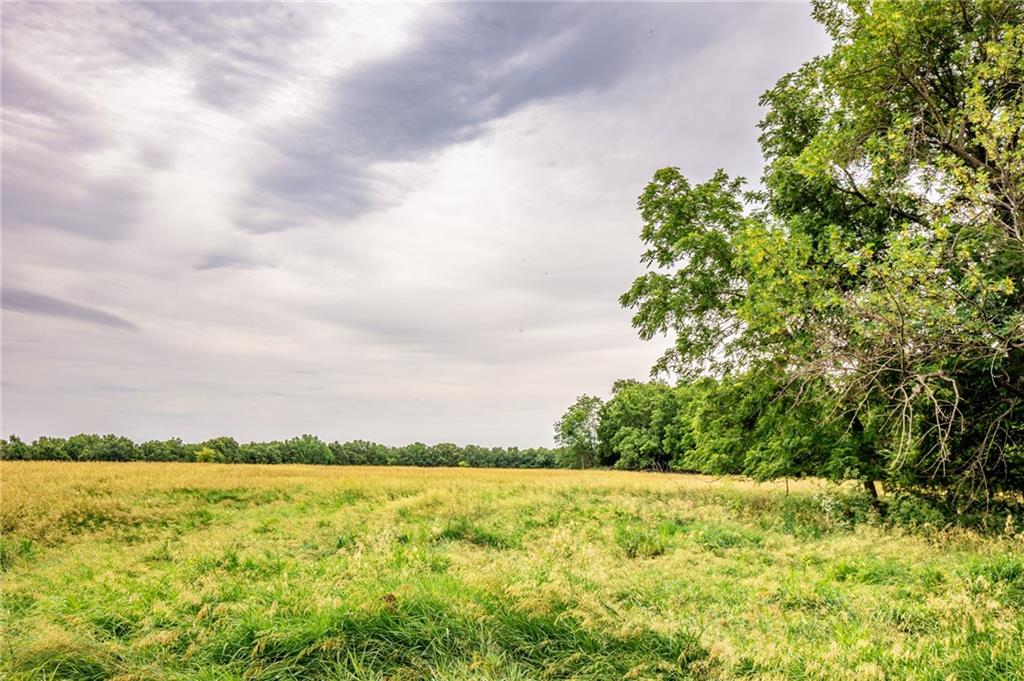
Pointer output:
206, 571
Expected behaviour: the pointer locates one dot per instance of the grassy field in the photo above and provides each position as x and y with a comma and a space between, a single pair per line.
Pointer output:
206, 571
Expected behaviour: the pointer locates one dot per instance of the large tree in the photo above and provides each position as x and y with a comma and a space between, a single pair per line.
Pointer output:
576, 433
632, 425
882, 262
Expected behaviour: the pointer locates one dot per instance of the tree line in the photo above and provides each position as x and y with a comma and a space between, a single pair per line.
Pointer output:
740, 425
304, 449
861, 314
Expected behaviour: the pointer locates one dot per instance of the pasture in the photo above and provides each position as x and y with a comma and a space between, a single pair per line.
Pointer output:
210, 571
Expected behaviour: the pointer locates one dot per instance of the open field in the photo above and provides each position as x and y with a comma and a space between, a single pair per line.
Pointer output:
206, 571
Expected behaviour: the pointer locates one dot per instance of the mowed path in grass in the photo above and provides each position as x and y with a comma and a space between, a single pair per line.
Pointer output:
207, 571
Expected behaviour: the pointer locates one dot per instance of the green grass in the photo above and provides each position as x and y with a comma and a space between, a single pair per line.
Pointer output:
188, 571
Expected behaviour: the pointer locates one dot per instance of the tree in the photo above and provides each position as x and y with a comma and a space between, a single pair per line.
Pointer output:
162, 450
85, 447
359, 452
446, 454
881, 269
632, 425
260, 452
208, 455
306, 449
226, 448
115, 448
14, 449
576, 432
50, 448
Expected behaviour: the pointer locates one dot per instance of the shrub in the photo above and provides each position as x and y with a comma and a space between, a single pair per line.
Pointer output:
914, 511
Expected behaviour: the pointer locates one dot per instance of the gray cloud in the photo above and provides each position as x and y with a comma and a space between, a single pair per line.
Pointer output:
221, 260
41, 191
233, 55
236, 53
49, 133
20, 300
484, 162
476, 64
102, 387
46, 114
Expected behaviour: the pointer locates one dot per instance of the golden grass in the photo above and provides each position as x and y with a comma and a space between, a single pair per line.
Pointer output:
223, 571
40, 499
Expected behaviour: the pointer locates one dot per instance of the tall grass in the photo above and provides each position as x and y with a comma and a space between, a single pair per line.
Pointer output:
191, 571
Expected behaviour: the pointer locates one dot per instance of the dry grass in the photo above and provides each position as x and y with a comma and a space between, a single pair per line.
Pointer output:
153, 571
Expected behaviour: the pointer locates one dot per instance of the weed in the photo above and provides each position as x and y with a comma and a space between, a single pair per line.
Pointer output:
14, 549
639, 541
722, 536
461, 529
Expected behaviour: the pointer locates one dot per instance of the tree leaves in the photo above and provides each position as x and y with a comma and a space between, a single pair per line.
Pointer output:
884, 259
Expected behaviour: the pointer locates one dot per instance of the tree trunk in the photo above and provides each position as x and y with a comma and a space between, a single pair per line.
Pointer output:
869, 487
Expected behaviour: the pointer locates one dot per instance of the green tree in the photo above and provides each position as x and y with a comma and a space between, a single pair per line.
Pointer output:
576, 433
259, 452
116, 448
162, 450
226, 447
208, 455
85, 447
14, 449
50, 449
446, 454
881, 268
306, 449
632, 425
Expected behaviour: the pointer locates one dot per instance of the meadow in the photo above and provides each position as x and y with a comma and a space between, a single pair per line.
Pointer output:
215, 571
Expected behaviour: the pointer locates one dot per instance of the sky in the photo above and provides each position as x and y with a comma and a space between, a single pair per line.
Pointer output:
394, 222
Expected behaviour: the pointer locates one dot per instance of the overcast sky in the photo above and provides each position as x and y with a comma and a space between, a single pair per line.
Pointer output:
394, 222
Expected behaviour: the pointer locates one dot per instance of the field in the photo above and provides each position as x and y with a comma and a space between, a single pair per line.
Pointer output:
206, 571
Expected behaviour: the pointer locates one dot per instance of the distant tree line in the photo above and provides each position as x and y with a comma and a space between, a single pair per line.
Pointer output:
306, 449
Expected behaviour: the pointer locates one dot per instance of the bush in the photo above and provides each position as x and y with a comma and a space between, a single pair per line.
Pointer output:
914, 511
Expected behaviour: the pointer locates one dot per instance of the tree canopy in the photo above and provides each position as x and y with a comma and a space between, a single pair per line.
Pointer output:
879, 268
576, 433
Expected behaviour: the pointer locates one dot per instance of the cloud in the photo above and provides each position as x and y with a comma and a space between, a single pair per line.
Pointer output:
474, 64
235, 54
46, 114
220, 260
40, 191
50, 133
19, 300
465, 176
73, 161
